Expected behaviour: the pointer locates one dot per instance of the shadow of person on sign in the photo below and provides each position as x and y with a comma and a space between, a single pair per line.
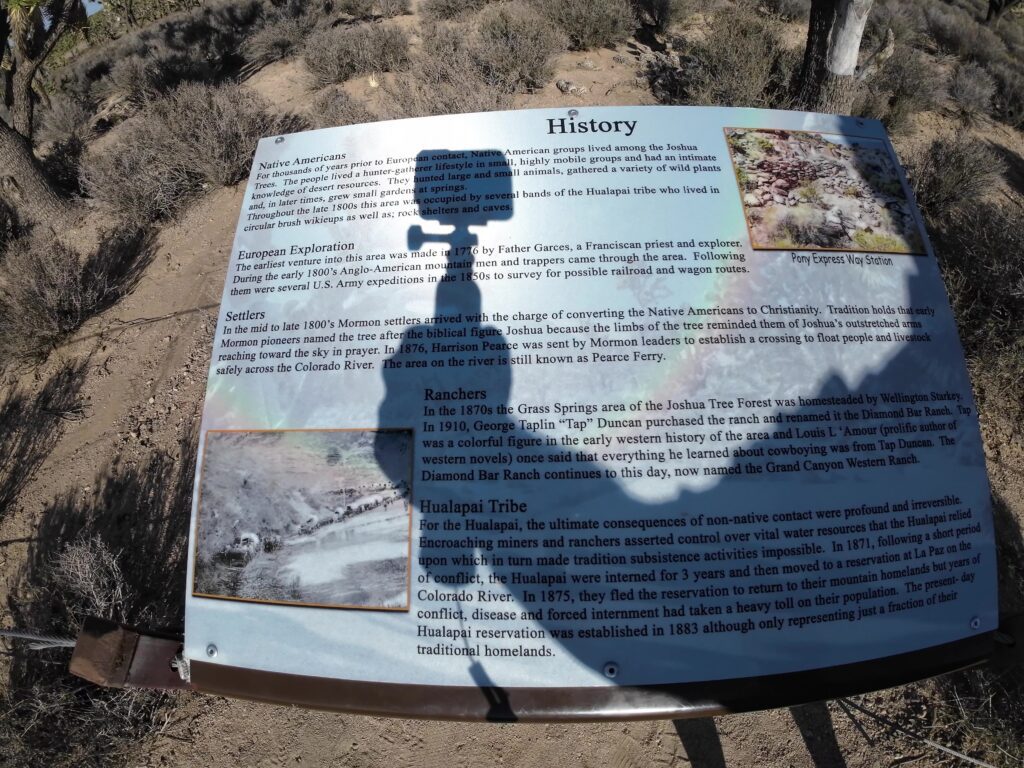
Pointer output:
522, 526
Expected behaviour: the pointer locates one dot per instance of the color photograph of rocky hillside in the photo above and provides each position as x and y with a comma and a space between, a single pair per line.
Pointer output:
804, 190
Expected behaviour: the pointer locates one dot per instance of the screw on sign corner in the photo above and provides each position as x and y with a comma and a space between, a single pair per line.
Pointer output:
211, 651
975, 623
611, 670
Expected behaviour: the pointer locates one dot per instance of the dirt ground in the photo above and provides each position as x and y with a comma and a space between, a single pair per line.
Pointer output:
146, 362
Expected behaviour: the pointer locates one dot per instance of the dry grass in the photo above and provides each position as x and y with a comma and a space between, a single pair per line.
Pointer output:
336, 54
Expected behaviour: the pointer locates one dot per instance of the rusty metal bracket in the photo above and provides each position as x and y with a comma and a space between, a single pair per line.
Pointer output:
117, 656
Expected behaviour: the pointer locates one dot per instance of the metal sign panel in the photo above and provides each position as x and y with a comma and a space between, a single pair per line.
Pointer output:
572, 403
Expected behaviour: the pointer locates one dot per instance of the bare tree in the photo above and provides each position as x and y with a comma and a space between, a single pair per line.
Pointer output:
828, 78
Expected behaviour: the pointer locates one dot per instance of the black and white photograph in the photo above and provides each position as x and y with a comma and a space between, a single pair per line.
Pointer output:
306, 517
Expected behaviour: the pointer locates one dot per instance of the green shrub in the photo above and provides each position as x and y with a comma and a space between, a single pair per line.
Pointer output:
591, 23
334, 55
514, 46
950, 172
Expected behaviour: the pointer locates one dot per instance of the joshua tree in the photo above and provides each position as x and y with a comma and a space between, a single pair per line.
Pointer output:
996, 8
29, 30
828, 77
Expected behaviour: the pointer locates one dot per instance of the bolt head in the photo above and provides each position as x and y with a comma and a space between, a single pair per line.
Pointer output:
611, 669
211, 650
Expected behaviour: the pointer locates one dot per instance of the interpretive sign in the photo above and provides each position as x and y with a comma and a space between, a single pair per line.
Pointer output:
551, 403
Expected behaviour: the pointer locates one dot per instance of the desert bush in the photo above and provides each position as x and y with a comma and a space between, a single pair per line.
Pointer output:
51, 719
200, 45
335, 107
1008, 104
790, 10
334, 55
46, 292
90, 580
63, 164
449, 10
739, 62
391, 8
8, 227
275, 41
906, 20
444, 79
591, 23
972, 88
951, 171
514, 46
65, 118
42, 298
139, 180
132, 79
908, 83
198, 134
980, 247
360, 9
659, 14
955, 31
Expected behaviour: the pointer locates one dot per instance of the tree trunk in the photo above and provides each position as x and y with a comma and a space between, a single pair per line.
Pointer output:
26, 189
23, 104
828, 76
